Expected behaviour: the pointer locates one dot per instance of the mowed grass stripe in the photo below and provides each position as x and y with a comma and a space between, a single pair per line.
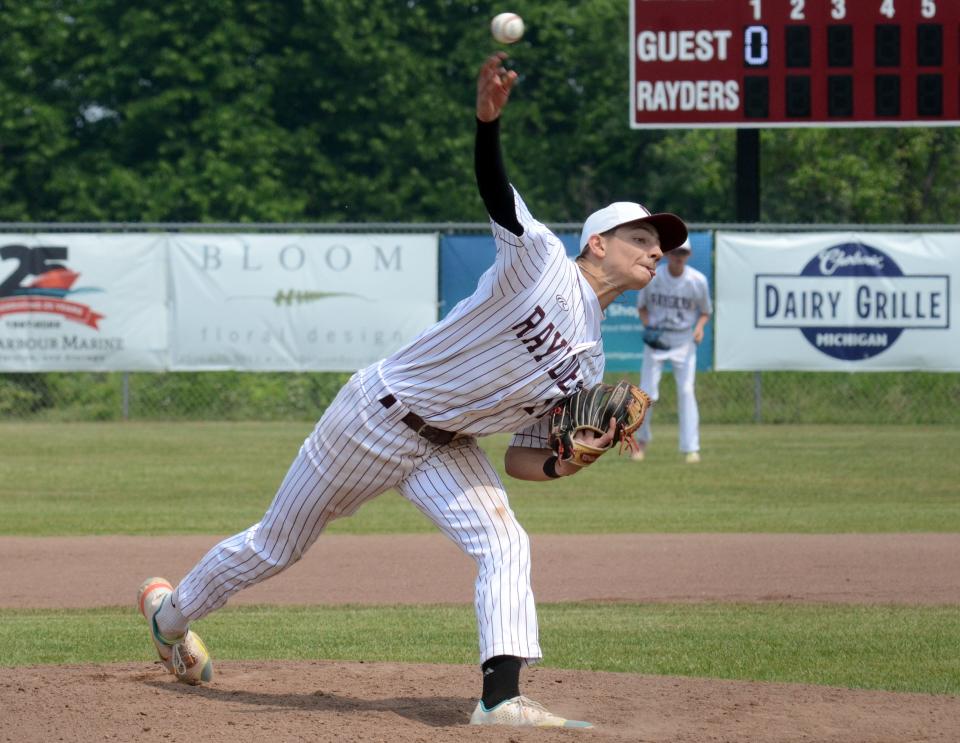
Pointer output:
218, 478
875, 647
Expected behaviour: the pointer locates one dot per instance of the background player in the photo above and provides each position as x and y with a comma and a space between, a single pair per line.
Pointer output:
528, 336
674, 308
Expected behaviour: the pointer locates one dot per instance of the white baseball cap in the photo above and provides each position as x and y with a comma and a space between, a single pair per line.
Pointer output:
672, 230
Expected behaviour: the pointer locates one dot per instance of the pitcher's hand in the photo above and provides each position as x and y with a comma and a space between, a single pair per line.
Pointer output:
494, 84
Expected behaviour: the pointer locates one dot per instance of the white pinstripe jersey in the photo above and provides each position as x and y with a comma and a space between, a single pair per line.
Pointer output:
528, 335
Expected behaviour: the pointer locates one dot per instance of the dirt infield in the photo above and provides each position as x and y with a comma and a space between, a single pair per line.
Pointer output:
406, 703
393, 703
80, 572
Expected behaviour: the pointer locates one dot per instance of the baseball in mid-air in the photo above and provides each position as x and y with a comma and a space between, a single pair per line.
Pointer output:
507, 28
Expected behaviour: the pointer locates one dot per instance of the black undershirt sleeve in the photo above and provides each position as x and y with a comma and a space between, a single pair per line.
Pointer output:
492, 180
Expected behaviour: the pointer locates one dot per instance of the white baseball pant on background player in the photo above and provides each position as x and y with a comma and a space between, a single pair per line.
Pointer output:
683, 360
363, 449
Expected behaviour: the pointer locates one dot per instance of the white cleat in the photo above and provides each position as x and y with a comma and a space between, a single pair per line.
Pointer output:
693, 457
522, 712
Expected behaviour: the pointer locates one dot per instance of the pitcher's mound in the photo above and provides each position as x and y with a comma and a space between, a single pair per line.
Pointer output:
270, 702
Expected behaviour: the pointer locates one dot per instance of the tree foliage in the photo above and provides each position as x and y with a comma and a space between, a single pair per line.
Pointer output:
342, 110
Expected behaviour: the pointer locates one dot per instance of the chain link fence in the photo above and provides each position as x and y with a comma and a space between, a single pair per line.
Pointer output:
724, 397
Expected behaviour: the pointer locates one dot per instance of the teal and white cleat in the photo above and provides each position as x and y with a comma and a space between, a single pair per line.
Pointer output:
522, 712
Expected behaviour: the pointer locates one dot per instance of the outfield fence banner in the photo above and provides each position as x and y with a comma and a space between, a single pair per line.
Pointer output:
82, 302
287, 302
837, 301
464, 258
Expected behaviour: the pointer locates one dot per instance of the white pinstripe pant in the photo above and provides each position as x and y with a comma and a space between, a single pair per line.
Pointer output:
358, 450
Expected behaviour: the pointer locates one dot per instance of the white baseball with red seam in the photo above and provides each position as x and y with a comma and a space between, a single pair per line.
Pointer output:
507, 28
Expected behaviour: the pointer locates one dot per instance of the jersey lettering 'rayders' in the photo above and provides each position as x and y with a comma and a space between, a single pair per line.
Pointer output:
567, 371
498, 362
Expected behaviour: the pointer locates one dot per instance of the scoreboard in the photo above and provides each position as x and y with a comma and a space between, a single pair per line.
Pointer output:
794, 63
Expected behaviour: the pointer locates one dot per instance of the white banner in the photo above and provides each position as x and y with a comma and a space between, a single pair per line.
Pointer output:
289, 302
837, 301
82, 302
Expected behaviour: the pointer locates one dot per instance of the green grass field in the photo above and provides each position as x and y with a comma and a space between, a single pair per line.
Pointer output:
137, 478
894, 648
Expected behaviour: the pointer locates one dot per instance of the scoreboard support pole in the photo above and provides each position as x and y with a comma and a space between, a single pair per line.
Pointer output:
748, 175
748, 210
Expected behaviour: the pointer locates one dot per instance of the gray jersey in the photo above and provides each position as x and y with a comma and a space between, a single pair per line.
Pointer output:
674, 303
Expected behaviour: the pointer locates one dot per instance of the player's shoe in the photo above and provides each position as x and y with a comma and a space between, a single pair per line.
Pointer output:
522, 712
638, 456
693, 457
186, 657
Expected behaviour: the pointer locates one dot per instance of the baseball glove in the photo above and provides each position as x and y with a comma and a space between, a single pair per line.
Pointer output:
591, 410
652, 338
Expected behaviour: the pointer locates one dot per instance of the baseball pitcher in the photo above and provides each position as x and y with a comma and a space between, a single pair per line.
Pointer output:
522, 354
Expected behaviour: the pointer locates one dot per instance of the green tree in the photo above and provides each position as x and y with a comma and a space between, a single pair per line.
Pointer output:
342, 110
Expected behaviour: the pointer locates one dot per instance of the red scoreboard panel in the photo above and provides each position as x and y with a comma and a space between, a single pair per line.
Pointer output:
765, 63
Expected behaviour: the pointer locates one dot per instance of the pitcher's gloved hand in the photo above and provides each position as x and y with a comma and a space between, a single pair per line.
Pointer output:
591, 410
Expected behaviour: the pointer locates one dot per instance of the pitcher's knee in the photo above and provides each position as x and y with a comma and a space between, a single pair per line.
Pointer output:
521, 543
512, 549
278, 557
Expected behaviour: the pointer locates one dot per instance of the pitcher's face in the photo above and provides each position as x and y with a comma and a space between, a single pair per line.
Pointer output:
631, 254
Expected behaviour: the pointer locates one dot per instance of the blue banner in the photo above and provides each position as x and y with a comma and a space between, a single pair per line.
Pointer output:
464, 258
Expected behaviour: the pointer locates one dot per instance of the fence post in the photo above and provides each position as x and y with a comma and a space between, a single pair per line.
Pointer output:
757, 398
125, 410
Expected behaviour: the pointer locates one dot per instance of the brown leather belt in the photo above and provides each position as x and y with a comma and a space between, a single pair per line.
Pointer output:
434, 435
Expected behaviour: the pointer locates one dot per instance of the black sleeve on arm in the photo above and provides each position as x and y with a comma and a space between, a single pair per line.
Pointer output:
492, 177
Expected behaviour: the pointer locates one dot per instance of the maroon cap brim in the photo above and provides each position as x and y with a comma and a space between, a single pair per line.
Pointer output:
670, 228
